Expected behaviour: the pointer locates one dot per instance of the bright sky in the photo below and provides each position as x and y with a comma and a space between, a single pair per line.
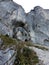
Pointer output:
30, 4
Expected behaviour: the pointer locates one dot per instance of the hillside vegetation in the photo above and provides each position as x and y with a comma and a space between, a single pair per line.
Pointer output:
24, 55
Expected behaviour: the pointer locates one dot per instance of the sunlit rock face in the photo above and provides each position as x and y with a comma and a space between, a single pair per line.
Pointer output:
40, 20
12, 17
7, 57
5, 30
14, 22
30, 23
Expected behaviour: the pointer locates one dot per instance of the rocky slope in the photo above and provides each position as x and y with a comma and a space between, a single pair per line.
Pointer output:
43, 55
15, 52
40, 24
13, 18
32, 26
16, 25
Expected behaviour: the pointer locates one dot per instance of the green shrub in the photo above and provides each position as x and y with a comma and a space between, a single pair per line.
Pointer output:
26, 57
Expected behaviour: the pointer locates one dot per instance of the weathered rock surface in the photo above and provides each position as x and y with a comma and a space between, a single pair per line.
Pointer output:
16, 23
43, 55
7, 57
40, 24
7, 53
12, 16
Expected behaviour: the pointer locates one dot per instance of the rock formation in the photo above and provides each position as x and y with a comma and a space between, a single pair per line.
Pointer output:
15, 23
13, 17
40, 24
33, 26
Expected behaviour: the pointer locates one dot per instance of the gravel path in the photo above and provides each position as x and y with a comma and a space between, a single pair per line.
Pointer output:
42, 54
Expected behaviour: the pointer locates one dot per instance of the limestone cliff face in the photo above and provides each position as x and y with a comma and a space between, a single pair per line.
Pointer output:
40, 24
13, 17
33, 26
15, 23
